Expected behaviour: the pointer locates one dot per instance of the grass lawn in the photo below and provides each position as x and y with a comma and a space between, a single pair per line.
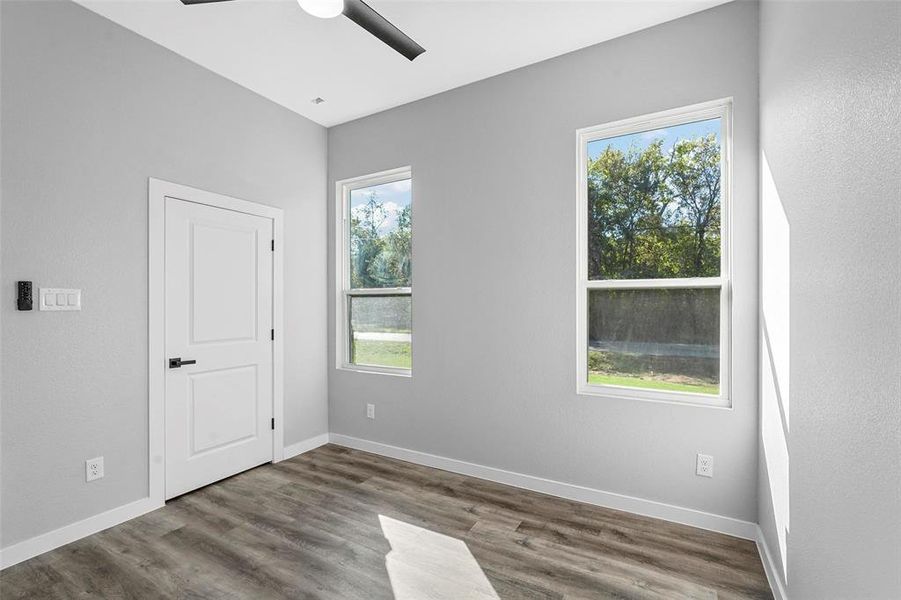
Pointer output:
653, 384
397, 354
382, 354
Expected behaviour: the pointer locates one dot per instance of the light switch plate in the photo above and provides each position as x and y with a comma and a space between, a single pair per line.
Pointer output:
59, 299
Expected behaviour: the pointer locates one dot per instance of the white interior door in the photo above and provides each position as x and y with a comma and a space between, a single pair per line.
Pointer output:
218, 309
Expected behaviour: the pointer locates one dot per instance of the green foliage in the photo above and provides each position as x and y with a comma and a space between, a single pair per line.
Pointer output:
380, 259
599, 361
638, 365
655, 214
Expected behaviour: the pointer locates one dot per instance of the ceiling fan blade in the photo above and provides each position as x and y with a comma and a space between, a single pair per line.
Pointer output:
190, 2
366, 17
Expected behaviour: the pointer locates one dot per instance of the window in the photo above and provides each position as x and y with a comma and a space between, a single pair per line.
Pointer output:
374, 260
653, 289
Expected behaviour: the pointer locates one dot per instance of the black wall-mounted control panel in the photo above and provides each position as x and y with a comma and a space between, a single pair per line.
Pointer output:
24, 300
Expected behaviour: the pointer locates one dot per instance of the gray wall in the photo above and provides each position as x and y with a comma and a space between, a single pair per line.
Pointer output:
494, 169
90, 111
830, 462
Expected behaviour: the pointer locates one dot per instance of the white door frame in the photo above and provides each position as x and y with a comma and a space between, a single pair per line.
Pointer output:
159, 190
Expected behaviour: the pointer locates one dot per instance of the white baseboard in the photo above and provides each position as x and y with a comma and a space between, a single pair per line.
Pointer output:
649, 508
306, 445
64, 535
769, 566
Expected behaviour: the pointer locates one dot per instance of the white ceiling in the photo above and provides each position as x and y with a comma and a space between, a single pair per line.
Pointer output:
277, 50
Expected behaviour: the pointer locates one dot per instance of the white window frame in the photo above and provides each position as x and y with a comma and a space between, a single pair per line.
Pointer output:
708, 110
343, 291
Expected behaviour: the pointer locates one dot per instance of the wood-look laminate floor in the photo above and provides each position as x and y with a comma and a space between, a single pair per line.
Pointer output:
339, 523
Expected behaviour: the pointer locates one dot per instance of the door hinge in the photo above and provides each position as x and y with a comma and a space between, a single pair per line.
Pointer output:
273, 245
273, 422
272, 334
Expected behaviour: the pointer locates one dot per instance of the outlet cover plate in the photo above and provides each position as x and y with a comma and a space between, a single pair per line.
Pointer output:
370, 411
93, 468
704, 466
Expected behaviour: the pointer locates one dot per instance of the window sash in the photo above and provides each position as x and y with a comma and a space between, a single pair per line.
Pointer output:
721, 399
721, 109
369, 293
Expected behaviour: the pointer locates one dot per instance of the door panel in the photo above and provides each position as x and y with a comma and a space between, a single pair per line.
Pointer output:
218, 313
223, 408
224, 283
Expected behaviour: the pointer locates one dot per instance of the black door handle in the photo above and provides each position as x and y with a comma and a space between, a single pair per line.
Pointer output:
175, 363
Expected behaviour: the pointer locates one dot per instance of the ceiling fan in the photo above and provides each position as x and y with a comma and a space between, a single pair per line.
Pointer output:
360, 13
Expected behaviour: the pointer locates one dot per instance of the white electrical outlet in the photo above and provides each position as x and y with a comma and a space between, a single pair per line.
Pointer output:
93, 468
370, 411
705, 465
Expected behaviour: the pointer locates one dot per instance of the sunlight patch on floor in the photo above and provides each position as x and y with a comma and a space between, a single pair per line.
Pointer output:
424, 565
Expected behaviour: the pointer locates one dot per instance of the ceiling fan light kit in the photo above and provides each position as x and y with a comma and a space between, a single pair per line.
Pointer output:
360, 13
324, 9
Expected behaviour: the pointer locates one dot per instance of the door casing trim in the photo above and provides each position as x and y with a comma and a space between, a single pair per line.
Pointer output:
158, 191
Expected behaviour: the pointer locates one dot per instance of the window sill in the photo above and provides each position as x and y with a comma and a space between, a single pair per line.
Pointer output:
373, 370
681, 398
